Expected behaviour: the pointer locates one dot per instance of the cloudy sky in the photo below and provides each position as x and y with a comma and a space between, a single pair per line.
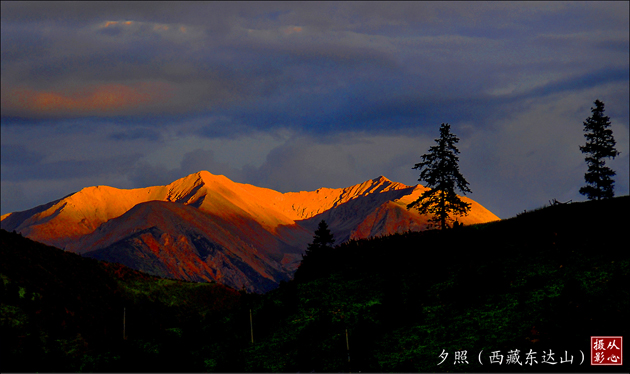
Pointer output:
297, 96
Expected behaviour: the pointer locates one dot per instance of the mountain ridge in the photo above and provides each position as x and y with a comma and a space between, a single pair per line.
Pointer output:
256, 234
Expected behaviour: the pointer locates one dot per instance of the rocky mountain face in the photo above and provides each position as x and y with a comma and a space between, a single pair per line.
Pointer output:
205, 227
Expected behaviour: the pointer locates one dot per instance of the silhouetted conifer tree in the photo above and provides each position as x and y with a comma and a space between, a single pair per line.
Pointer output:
323, 239
600, 144
315, 261
439, 169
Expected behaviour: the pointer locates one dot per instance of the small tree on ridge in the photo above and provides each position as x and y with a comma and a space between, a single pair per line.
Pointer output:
600, 144
439, 169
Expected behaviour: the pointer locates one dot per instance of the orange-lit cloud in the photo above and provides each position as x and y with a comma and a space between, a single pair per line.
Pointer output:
292, 30
111, 98
114, 23
154, 26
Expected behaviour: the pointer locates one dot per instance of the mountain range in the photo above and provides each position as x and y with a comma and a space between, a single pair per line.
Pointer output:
205, 227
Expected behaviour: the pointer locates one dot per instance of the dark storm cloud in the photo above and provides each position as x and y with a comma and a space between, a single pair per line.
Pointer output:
318, 65
66, 57
249, 64
42, 171
137, 133
82, 13
154, 90
145, 175
583, 81
16, 155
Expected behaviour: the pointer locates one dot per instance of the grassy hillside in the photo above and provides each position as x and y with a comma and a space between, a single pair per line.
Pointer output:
545, 280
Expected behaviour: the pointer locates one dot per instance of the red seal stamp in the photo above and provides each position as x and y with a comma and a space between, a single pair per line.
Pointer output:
606, 350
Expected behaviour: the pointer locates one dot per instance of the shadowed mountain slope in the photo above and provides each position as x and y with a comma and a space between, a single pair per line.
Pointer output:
180, 241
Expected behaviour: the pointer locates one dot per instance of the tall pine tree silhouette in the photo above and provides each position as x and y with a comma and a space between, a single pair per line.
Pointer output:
316, 259
323, 239
440, 170
600, 144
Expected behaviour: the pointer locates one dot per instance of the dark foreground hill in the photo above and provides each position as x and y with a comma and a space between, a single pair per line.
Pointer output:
63, 312
544, 281
541, 283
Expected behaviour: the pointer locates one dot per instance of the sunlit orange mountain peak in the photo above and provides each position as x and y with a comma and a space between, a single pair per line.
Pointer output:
206, 227
307, 204
61, 222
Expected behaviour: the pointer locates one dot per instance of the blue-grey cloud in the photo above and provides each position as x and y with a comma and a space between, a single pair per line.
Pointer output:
583, 81
143, 174
16, 155
151, 91
137, 133
44, 171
